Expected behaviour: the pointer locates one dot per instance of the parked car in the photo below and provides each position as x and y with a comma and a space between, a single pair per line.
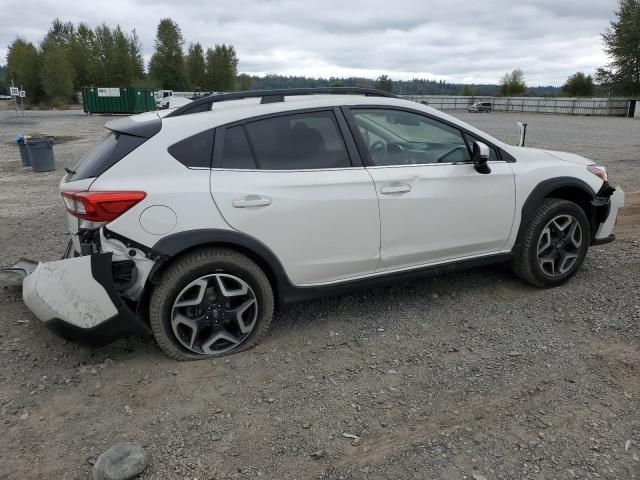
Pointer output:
195, 224
6, 97
479, 107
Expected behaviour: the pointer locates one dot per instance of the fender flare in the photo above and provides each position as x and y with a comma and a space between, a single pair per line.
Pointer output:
177, 243
545, 187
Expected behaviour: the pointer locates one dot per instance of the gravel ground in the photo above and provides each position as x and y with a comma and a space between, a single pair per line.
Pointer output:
464, 376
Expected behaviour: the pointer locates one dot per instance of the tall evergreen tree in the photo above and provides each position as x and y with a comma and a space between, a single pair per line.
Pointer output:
135, 56
61, 32
81, 56
102, 52
622, 45
23, 67
56, 74
167, 66
244, 82
196, 66
4, 88
222, 68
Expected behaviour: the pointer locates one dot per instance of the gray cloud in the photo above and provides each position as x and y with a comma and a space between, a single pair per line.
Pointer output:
464, 41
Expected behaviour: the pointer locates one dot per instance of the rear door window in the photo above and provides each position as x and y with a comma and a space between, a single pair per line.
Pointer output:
236, 153
301, 141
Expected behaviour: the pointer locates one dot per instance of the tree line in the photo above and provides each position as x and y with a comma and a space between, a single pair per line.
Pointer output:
215, 69
72, 56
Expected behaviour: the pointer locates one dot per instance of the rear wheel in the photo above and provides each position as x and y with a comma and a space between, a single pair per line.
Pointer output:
553, 245
210, 303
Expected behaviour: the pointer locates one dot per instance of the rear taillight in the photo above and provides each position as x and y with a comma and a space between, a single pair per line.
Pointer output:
100, 206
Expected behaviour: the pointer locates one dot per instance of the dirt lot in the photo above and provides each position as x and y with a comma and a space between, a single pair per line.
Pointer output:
468, 375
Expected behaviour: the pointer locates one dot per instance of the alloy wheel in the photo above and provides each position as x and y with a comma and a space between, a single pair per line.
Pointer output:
559, 245
214, 314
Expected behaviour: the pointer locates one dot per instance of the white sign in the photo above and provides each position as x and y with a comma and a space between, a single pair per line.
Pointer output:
23, 94
108, 92
14, 91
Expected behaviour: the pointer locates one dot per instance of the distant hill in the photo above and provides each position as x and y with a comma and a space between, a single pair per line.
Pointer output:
400, 87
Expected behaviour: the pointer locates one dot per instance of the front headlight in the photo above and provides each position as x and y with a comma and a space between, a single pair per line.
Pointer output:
599, 171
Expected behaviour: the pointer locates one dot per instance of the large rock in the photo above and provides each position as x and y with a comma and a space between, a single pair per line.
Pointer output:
121, 462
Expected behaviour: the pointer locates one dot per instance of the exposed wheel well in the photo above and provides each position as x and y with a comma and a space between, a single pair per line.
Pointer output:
580, 198
154, 277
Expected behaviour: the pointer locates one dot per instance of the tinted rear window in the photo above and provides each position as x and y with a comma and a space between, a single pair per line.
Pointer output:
236, 152
195, 151
105, 155
301, 141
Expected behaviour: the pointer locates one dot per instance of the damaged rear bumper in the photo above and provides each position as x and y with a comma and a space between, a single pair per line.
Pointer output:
76, 298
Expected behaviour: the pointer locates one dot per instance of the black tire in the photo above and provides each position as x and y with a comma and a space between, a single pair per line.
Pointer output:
525, 259
192, 266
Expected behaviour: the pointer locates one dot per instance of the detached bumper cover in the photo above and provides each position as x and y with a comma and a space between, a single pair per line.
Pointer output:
607, 213
76, 298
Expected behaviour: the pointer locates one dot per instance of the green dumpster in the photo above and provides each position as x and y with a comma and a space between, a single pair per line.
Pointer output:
117, 100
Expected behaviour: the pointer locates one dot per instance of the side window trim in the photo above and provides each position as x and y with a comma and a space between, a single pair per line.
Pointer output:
250, 143
347, 137
364, 151
469, 138
218, 146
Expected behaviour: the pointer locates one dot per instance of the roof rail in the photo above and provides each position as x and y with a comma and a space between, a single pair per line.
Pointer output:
272, 96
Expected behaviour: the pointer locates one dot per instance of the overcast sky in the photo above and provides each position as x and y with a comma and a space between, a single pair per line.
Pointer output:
470, 41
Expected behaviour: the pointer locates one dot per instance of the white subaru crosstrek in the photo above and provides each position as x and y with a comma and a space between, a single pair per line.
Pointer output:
193, 224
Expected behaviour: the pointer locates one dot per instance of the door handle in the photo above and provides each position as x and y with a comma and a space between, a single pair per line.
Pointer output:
251, 201
395, 188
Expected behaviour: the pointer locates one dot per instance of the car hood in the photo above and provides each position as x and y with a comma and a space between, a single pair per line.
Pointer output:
532, 154
569, 157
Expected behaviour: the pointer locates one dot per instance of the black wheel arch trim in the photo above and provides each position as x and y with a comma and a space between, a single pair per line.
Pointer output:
178, 243
598, 201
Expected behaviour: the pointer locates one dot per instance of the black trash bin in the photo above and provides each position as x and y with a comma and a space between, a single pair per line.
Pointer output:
24, 153
41, 151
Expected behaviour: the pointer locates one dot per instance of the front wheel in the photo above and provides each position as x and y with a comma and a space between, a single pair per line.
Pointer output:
210, 303
553, 244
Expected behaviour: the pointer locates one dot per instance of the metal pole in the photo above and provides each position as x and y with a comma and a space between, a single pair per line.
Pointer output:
22, 101
15, 99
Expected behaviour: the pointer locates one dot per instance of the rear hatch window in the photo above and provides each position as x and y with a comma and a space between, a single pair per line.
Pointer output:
105, 155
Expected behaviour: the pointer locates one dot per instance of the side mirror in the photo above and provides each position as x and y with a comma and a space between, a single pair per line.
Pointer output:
480, 157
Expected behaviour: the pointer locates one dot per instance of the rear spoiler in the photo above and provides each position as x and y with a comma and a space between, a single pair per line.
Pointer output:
142, 129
